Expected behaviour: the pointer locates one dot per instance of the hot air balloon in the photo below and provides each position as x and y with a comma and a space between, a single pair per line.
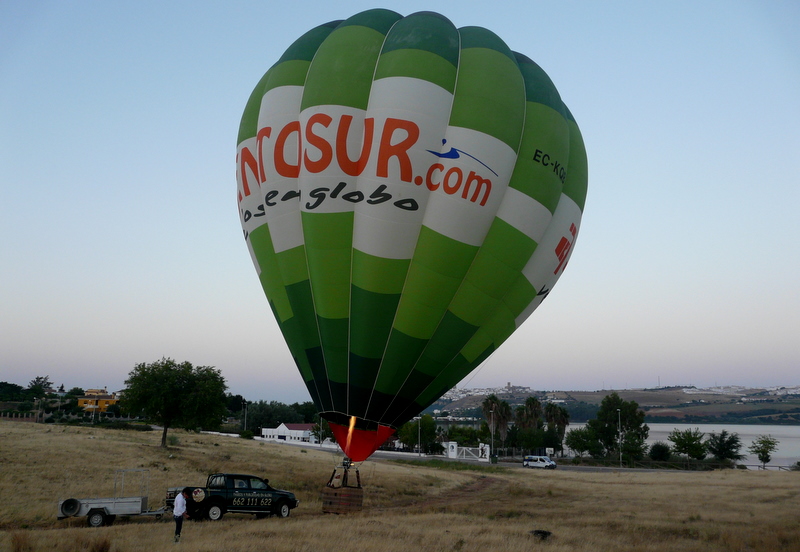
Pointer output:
409, 193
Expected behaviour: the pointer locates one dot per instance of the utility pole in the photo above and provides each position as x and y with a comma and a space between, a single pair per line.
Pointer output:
491, 417
419, 437
619, 434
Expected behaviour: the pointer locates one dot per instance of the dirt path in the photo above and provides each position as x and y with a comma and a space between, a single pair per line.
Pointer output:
466, 493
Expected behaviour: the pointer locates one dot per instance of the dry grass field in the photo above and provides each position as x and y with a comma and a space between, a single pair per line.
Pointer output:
407, 507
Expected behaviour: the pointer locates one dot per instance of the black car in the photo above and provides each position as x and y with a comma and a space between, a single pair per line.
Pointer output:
235, 493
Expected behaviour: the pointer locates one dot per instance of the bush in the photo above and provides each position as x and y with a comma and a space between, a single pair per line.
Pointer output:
660, 451
247, 434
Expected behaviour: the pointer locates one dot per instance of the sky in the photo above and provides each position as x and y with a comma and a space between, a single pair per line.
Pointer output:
120, 240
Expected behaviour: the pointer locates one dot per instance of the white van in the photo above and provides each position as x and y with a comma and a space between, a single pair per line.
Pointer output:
538, 462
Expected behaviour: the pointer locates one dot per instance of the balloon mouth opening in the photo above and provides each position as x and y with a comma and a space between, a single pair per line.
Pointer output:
357, 437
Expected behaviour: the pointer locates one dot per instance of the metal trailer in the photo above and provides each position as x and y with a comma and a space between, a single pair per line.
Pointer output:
103, 511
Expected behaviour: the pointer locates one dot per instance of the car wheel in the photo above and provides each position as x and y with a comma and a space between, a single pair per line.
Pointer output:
283, 510
96, 518
215, 512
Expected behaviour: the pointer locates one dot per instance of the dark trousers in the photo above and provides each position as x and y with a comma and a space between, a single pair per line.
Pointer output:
178, 524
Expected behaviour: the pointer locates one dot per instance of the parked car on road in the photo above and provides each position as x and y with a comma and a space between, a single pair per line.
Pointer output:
538, 462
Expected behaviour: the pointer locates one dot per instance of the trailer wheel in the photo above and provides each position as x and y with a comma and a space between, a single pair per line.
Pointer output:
96, 518
215, 512
70, 507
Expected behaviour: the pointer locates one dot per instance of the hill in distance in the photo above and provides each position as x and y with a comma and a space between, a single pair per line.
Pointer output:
780, 405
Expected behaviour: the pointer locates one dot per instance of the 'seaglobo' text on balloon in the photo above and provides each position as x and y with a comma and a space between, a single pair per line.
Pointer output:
397, 137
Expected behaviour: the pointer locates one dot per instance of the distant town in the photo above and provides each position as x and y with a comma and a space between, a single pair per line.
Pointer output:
456, 393
682, 404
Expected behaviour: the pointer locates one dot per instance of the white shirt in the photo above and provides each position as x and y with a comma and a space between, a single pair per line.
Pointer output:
180, 505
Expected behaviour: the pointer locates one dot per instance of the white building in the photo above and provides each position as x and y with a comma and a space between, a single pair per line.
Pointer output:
298, 433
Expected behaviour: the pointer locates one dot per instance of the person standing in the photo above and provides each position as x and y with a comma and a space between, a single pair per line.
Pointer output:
179, 512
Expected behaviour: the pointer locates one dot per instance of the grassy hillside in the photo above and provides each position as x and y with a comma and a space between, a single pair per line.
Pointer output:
407, 506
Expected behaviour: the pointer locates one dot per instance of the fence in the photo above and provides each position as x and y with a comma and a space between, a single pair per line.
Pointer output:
19, 416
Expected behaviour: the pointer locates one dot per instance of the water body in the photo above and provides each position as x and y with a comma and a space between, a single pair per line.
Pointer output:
788, 436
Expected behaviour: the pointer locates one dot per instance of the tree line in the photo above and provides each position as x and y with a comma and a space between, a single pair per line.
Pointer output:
36, 396
181, 395
616, 432
619, 432
531, 426
166, 393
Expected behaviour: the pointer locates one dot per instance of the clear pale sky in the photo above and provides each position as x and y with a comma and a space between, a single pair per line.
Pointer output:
120, 238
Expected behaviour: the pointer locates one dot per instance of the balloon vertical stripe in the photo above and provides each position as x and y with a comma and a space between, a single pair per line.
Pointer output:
480, 121
418, 60
336, 94
283, 274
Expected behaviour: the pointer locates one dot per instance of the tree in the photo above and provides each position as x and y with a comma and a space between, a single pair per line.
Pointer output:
42, 381
421, 430
561, 421
528, 415
550, 438
724, 446
512, 436
504, 416
176, 395
38, 385
271, 414
234, 403
307, 410
531, 439
634, 446
464, 436
498, 414
10, 391
615, 416
583, 440
550, 413
321, 430
490, 407
660, 451
763, 447
557, 420
688, 442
